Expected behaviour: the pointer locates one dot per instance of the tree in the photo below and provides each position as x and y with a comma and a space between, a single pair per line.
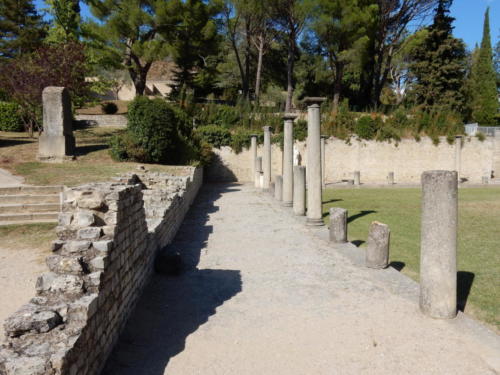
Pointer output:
439, 64
484, 88
135, 33
25, 77
341, 27
290, 18
66, 20
21, 28
497, 64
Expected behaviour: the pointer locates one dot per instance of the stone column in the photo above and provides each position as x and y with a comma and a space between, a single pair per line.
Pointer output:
258, 172
288, 159
57, 140
438, 244
338, 225
458, 154
390, 178
253, 154
266, 158
278, 188
323, 161
299, 190
357, 178
377, 249
314, 193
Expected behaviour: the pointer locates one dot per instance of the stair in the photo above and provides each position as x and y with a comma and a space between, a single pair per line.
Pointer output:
30, 204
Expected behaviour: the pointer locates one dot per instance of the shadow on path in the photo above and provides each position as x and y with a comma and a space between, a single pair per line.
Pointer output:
171, 308
398, 266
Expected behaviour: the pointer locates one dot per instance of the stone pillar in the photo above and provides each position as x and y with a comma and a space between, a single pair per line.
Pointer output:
288, 159
323, 161
390, 178
258, 172
357, 178
438, 244
458, 154
266, 158
299, 190
377, 249
278, 188
314, 193
253, 154
57, 141
338, 225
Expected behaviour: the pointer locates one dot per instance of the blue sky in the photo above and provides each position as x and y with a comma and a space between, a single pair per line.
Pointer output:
469, 15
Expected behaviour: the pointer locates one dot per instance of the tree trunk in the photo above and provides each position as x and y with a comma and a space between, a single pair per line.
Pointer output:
259, 68
337, 85
289, 71
246, 86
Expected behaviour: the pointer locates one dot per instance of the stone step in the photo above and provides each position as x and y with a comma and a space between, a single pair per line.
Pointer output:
45, 217
29, 208
24, 190
29, 199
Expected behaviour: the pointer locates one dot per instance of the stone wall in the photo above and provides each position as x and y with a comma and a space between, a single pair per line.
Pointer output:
101, 120
108, 236
408, 159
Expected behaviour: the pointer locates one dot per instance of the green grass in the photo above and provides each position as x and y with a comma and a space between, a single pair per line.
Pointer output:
478, 238
38, 235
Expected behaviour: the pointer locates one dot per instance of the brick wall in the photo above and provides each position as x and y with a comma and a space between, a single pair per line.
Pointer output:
108, 236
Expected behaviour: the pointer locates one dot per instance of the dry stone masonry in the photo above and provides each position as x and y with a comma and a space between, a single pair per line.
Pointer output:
108, 236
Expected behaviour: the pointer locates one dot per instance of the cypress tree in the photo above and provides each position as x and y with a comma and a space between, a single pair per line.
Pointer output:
439, 64
21, 28
484, 93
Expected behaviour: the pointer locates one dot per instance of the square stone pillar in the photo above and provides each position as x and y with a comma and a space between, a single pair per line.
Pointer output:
288, 159
314, 190
56, 142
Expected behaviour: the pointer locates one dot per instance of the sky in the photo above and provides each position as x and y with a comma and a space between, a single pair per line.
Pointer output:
468, 14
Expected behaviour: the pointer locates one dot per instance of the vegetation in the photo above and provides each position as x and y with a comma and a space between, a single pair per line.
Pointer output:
10, 121
400, 209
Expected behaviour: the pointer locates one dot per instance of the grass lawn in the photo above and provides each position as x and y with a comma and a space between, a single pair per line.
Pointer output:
478, 238
38, 235
93, 163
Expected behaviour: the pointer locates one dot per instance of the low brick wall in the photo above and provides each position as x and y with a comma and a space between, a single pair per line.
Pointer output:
108, 236
101, 120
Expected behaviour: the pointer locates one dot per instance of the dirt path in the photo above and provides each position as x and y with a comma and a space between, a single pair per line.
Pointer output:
267, 295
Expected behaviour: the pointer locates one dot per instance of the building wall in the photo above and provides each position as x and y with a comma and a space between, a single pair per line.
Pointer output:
407, 159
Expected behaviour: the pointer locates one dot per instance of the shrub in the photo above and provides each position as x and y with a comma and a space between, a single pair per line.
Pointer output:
10, 120
240, 139
217, 136
153, 124
109, 108
300, 130
365, 128
224, 115
480, 136
123, 147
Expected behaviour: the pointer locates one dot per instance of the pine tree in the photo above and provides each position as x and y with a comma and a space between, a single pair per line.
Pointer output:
66, 20
439, 63
21, 28
484, 89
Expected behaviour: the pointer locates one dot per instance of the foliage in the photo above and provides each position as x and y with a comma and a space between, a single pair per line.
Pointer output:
10, 121
300, 130
240, 139
439, 62
480, 136
109, 108
123, 147
217, 136
223, 115
66, 21
21, 28
365, 128
25, 77
483, 78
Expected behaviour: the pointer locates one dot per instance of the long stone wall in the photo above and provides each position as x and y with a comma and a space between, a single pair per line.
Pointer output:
101, 120
408, 159
108, 236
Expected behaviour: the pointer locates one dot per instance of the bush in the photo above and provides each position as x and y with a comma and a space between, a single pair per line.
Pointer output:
224, 115
123, 147
109, 108
365, 128
240, 139
480, 136
153, 126
300, 130
217, 136
10, 120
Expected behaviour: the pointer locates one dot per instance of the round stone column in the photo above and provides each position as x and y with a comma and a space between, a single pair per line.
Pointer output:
323, 161
299, 190
258, 172
266, 158
288, 159
314, 191
253, 154
438, 244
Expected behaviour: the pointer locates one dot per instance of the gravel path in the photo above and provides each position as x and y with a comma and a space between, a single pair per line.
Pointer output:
267, 295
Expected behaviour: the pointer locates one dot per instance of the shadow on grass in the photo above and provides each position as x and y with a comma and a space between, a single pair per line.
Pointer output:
84, 150
332, 201
358, 243
464, 285
350, 219
14, 142
398, 266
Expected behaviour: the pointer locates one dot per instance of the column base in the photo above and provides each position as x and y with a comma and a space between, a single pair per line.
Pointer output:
288, 204
314, 222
